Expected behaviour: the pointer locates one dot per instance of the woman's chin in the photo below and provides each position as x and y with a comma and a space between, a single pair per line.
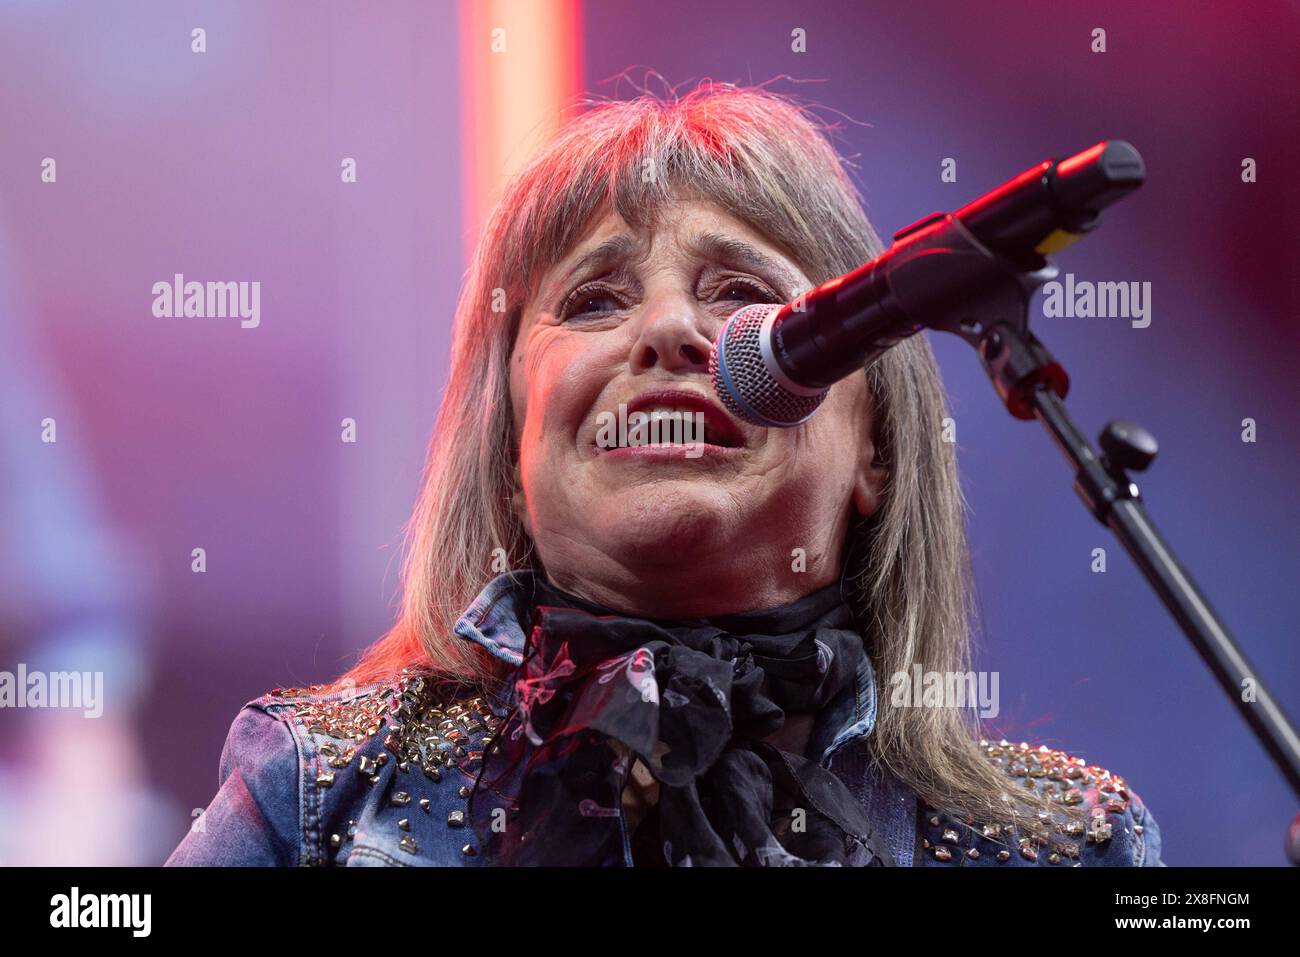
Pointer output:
667, 523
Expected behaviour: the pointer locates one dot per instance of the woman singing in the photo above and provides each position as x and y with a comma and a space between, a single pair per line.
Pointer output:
680, 652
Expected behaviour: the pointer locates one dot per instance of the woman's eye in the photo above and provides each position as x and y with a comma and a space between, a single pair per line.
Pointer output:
587, 302
743, 290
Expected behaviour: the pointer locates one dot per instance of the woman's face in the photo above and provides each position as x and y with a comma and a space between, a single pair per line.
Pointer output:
749, 518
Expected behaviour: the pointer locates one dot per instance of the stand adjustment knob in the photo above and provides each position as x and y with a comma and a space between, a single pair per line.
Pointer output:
1127, 445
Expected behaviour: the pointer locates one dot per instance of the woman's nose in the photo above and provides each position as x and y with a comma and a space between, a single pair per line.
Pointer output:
671, 338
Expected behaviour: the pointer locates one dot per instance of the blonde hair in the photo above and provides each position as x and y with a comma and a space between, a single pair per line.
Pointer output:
767, 161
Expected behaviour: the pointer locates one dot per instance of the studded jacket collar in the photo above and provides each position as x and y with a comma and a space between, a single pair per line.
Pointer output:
379, 777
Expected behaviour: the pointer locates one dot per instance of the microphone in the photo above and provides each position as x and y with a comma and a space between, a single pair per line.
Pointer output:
773, 364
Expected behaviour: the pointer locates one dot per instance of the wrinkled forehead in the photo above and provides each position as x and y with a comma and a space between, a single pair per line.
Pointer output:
694, 228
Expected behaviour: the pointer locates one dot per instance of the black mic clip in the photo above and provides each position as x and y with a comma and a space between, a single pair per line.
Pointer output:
937, 267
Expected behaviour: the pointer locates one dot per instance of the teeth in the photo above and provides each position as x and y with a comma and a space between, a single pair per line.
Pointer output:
692, 424
658, 425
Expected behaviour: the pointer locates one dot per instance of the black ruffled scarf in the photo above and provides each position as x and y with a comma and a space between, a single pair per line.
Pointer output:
693, 702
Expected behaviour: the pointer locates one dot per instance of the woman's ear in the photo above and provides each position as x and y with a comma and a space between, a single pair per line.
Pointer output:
869, 484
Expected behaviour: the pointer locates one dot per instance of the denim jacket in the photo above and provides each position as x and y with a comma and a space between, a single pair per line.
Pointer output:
379, 777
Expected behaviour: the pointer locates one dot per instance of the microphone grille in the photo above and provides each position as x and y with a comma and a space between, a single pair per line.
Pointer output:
743, 380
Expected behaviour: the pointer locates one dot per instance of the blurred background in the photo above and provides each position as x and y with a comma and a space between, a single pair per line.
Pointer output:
222, 165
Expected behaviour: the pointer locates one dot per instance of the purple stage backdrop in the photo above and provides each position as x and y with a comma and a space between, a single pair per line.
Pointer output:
224, 434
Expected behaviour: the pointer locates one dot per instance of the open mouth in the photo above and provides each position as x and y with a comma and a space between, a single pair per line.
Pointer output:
668, 418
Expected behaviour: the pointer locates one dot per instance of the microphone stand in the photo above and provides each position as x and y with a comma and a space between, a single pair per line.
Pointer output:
1032, 384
